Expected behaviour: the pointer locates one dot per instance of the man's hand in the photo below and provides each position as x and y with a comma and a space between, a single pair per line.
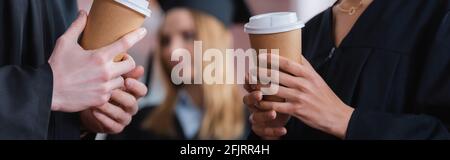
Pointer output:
82, 78
114, 116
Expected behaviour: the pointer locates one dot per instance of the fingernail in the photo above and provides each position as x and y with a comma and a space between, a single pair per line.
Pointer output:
273, 115
96, 113
283, 131
129, 83
81, 13
142, 32
260, 96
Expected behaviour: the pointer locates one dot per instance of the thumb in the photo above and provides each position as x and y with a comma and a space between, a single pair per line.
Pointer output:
77, 27
136, 73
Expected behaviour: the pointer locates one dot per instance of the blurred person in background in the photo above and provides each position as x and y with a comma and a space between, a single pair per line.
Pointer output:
194, 111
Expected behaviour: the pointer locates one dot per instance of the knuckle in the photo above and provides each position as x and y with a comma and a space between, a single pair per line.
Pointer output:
296, 83
256, 117
310, 74
121, 80
299, 86
311, 88
102, 89
62, 40
132, 103
260, 117
267, 132
314, 80
283, 63
103, 107
126, 42
255, 96
118, 129
105, 75
264, 117
319, 83
267, 105
307, 87
294, 109
299, 98
249, 100
98, 59
257, 130
114, 94
103, 99
289, 65
269, 115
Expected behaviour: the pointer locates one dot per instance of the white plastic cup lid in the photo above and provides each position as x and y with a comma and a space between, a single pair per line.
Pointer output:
140, 6
276, 22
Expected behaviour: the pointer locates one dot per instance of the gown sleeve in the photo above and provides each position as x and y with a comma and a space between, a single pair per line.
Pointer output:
432, 101
25, 100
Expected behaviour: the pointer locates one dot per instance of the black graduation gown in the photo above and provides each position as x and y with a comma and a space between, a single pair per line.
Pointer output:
393, 68
28, 31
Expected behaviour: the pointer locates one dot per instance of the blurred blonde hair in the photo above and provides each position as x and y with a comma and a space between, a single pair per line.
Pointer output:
223, 116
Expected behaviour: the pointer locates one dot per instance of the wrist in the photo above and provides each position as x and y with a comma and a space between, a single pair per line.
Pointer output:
341, 121
56, 103
55, 107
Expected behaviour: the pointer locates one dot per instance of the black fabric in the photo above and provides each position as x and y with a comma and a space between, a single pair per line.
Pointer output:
242, 12
227, 11
28, 31
393, 67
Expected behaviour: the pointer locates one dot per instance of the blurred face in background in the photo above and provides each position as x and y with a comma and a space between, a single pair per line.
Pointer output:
177, 32
223, 114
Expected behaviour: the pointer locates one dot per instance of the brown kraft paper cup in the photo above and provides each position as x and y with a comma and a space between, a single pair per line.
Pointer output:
108, 21
288, 43
286, 38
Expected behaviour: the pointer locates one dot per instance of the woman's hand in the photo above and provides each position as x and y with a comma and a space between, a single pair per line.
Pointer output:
114, 116
307, 96
267, 124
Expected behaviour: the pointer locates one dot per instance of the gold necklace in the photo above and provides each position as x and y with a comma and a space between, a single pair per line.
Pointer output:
352, 10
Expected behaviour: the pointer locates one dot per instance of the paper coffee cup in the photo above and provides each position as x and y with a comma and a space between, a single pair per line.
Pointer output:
279, 30
110, 20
